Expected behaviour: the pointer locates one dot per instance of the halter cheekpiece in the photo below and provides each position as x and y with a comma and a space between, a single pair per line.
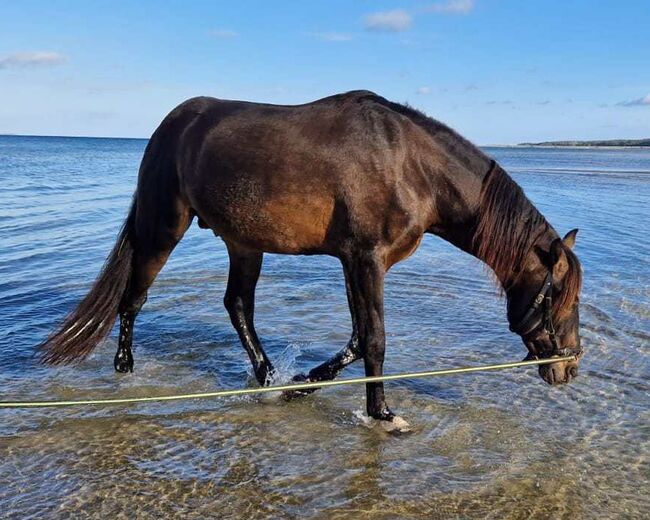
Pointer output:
539, 314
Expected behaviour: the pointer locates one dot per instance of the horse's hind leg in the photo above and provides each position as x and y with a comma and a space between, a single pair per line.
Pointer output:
155, 239
145, 268
239, 301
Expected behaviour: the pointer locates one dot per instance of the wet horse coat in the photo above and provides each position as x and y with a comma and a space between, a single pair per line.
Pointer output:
353, 176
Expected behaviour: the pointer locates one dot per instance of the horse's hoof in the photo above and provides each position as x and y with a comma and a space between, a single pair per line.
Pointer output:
288, 395
395, 425
123, 362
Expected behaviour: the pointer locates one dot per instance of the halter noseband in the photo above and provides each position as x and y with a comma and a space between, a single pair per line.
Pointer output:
540, 314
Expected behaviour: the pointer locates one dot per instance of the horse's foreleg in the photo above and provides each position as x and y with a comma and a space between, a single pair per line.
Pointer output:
332, 367
240, 303
328, 370
367, 274
367, 286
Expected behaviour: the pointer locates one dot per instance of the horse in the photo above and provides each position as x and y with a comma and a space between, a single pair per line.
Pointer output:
354, 176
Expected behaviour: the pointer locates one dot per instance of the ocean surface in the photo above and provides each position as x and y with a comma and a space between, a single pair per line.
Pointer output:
488, 445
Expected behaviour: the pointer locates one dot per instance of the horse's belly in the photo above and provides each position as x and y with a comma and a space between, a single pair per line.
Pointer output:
288, 223
292, 224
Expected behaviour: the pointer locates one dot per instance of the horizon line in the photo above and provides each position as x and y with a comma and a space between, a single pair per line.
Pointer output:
74, 136
522, 144
147, 138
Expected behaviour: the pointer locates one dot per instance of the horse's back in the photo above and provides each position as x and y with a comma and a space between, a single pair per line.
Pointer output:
293, 178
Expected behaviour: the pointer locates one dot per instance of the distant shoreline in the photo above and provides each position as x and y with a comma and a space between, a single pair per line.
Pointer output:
610, 143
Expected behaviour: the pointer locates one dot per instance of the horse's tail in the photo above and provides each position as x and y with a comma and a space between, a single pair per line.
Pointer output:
87, 325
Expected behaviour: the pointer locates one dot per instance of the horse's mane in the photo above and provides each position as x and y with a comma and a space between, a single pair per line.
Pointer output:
508, 226
461, 149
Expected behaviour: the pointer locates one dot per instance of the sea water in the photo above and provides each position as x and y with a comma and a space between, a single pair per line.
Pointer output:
488, 445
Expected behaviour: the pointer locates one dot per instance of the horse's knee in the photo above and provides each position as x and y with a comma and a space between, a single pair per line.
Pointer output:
352, 351
233, 304
354, 346
374, 348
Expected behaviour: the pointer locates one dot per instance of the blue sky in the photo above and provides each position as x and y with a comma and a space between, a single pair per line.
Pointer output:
498, 71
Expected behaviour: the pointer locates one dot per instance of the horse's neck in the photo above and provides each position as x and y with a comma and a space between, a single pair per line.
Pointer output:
456, 195
464, 209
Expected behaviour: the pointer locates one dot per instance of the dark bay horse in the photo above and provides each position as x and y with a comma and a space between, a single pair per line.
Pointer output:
353, 176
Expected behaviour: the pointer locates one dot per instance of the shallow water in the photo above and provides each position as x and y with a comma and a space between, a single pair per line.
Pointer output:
490, 445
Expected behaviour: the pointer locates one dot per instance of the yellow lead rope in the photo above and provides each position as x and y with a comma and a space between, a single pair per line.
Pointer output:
281, 388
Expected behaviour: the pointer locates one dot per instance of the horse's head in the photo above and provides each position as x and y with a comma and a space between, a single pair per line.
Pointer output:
543, 307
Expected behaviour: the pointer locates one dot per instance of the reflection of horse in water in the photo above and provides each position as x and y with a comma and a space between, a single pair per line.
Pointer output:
352, 176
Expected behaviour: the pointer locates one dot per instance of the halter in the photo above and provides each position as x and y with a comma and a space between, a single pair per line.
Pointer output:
539, 314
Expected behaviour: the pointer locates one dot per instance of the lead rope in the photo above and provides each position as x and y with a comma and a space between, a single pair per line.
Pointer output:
282, 388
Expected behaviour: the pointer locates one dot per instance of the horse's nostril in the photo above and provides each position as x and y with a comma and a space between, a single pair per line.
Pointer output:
573, 371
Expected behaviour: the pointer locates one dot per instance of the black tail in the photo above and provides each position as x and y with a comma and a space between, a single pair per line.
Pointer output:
85, 327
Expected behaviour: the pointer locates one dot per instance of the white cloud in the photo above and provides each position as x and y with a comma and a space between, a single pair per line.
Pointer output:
388, 21
31, 59
223, 34
332, 36
424, 91
399, 20
451, 7
636, 102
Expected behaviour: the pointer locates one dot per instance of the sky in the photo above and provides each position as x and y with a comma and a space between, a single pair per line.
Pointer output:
498, 71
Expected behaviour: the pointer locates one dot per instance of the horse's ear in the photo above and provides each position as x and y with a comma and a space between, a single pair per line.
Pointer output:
559, 262
569, 239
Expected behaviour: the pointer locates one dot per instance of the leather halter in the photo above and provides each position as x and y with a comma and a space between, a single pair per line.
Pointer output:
539, 314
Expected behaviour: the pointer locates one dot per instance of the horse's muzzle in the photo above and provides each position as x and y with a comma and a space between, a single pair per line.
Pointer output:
559, 373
